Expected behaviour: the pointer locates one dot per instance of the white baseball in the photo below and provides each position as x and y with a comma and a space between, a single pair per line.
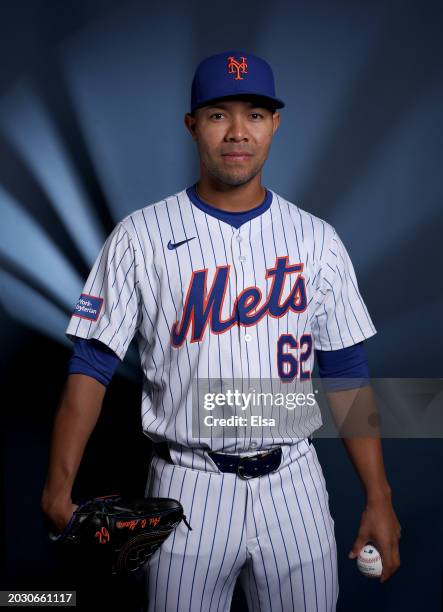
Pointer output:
369, 561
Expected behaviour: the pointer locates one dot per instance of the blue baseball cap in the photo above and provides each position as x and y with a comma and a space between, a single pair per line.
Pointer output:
233, 73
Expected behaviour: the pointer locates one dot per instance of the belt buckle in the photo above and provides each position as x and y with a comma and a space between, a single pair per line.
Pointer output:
259, 456
239, 467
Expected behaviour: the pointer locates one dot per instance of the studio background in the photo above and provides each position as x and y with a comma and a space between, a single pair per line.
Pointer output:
92, 99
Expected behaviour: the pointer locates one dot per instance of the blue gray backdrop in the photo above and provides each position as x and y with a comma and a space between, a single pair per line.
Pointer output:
92, 98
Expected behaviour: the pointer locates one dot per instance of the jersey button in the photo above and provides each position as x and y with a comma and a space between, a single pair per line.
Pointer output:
239, 238
242, 258
248, 337
253, 445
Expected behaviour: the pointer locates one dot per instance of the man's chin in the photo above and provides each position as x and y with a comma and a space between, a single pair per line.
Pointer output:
236, 179
237, 182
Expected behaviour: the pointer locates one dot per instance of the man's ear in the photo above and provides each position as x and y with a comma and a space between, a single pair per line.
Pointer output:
190, 123
276, 121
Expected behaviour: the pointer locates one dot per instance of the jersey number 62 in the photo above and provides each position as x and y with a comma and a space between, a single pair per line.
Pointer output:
288, 365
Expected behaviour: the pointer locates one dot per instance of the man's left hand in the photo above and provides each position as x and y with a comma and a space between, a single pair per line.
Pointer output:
379, 524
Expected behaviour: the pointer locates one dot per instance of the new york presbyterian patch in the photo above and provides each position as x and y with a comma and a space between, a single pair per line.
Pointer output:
88, 307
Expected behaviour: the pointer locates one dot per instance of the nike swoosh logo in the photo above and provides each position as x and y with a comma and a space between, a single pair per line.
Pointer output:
175, 245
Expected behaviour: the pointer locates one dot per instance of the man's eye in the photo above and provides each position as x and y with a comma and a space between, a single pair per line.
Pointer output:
216, 115
257, 115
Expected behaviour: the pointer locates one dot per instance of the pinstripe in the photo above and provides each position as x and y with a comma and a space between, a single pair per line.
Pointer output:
326, 325
295, 539
119, 263
172, 300
230, 297
345, 317
173, 540
247, 577
115, 304
363, 305
347, 277
301, 224
238, 330
335, 312
164, 315
322, 239
260, 371
218, 339
261, 555
103, 251
191, 209
137, 314
326, 530
283, 541
267, 319
230, 310
161, 551
186, 543
299, 259
307, 539
246, 344
279, 582
313, 238
200, 538
187, 348
324, 498
316, 530
252, 577
228, 574
159, 481
225, 547
199, 238
158, 278
231, 530
152, 325
299, 334
106, 277
290, 289
349, 302
124, 315
278, 323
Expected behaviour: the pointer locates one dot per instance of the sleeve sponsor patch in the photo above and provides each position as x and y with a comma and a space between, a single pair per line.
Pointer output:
88, 307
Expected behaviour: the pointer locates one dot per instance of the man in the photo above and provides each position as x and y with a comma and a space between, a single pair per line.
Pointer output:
223, 282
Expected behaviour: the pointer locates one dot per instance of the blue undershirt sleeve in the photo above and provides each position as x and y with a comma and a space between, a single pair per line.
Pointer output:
344, 368
94, 359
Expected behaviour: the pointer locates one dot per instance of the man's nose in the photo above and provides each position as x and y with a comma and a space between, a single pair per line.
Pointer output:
237, 131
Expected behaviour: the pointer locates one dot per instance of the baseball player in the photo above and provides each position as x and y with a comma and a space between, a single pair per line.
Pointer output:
228, 284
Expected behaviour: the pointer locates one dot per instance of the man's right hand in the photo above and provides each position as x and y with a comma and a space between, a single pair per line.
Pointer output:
58, 513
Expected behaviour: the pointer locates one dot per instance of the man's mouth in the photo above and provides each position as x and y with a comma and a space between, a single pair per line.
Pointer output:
236, 156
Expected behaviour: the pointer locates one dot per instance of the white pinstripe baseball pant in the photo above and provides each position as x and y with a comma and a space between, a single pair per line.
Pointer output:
274, 532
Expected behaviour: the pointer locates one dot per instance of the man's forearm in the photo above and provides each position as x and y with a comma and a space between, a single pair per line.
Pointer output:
355, 414
75, 420
367, 457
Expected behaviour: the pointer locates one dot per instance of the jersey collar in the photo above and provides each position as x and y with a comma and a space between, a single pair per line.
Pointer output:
236, 219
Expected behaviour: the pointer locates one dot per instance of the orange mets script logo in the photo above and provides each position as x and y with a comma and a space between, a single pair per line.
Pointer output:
235, 67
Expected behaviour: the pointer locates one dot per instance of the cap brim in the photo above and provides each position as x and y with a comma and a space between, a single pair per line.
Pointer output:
265, 101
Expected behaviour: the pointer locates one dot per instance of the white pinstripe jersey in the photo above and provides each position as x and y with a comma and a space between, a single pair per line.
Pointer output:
208, 301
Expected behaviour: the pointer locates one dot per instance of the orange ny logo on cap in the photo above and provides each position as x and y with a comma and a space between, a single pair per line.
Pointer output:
235, 67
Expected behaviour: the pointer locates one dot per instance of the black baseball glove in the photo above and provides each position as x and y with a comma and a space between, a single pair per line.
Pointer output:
128, 531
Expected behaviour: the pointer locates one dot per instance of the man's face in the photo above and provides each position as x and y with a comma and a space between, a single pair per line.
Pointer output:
233, 139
